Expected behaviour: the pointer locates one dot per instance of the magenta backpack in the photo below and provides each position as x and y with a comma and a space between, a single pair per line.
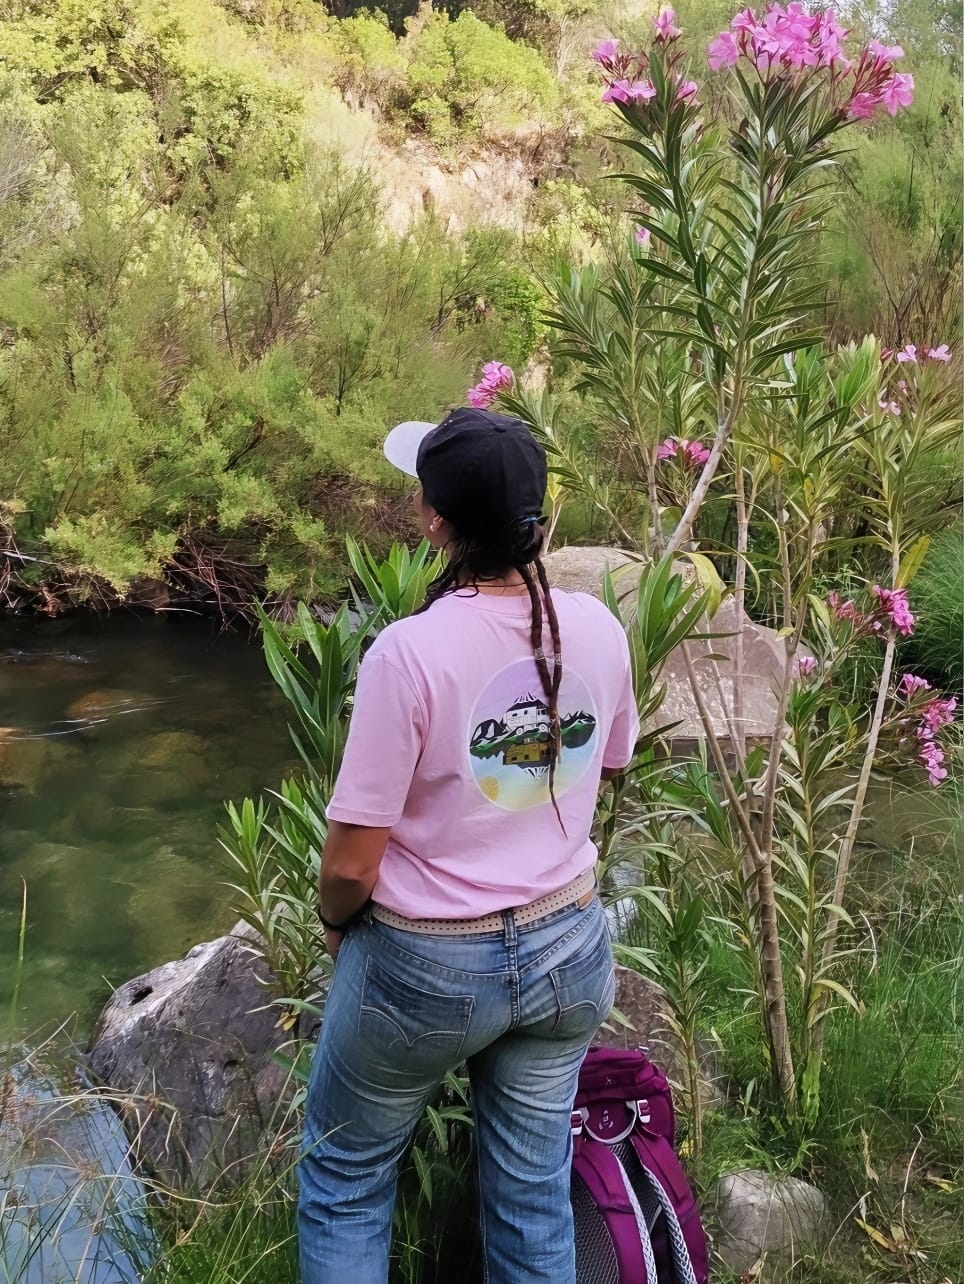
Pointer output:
636, 1219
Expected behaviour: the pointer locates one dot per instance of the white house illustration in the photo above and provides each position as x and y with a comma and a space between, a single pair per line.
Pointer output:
527, 715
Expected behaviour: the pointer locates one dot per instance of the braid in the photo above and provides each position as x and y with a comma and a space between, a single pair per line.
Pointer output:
551, 679
556, 642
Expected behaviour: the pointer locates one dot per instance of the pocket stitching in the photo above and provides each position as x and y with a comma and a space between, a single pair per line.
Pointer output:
390, 983
567, 1009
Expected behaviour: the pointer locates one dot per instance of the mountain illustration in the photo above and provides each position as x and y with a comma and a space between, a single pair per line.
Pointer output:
521, 736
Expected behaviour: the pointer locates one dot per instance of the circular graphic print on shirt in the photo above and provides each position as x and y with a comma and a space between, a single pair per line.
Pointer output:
509, 737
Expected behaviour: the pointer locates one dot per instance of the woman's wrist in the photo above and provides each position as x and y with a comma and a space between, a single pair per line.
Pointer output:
345, 923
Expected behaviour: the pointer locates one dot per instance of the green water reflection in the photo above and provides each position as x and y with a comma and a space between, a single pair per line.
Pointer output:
120, 740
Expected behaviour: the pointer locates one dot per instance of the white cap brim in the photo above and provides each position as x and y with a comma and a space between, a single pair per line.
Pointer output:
402, 443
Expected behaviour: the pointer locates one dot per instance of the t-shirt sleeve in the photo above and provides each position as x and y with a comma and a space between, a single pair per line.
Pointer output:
624, 731
385, 737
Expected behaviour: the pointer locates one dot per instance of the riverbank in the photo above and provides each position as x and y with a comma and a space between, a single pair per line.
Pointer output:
121, 738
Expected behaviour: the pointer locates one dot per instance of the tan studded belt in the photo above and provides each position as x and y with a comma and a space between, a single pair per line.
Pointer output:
577, 893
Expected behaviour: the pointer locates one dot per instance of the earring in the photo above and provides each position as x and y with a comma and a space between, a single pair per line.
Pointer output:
434, 524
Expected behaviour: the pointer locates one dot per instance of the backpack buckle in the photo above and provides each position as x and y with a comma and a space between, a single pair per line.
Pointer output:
642, 1110
577, 1121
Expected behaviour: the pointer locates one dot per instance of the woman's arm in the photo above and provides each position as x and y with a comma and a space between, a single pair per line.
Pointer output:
349, 868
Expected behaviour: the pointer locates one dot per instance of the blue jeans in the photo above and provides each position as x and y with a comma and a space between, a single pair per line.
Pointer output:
520, 1006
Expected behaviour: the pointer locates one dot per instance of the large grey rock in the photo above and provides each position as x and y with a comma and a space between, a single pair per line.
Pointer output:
72, 1209
643, 1004
192, 1044
756, 1213
583, 569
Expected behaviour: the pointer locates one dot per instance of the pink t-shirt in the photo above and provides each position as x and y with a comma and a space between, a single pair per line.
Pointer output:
447, 747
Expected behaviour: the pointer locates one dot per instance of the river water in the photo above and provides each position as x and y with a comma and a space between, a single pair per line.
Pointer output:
120, 739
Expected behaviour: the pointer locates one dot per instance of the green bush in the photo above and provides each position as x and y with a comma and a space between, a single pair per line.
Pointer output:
372, 61
486, 81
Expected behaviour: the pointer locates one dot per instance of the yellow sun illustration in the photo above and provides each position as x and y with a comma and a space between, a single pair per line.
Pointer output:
490, 787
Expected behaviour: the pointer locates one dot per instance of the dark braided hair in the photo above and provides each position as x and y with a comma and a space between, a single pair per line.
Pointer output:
477, 559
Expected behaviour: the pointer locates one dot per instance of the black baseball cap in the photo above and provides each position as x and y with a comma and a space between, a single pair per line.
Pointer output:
478, 470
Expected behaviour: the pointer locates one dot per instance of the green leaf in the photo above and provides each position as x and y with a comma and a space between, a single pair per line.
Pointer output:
827, 983
911, 562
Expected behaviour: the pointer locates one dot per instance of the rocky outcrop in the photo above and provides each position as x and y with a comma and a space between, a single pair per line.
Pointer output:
583, 569
756, 1214
193, 1045
488, 188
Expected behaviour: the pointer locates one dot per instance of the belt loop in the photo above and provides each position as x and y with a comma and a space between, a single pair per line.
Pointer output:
511, 929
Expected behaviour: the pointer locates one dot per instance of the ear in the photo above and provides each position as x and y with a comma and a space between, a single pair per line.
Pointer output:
434, 526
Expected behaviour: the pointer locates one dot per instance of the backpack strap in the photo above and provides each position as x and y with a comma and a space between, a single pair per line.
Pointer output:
686, 1236
610, 1189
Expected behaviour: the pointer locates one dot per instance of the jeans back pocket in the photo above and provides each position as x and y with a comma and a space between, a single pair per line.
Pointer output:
585, 988
403, 1017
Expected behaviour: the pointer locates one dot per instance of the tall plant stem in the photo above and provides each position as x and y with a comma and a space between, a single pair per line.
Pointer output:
850, 842
791, 646
771, 960
700, 490
657, 550
739, 598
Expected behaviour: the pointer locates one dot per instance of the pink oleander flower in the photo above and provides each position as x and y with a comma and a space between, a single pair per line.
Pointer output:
695, 454
907, 354
892, 406
898, 93
692, 454
642, 235
616, 92
894, 604
829, 36
687, 89
495, 377
887, 53
931, 756
790, 39
665, 25
902, 385
937, 713
723, 51
745, 21
807, 665
845, 610
605, 52
910, 684
942, 353
629, 91
863, 106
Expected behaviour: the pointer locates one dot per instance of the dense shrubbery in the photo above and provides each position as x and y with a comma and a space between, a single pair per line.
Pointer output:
453, 79
205, 326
